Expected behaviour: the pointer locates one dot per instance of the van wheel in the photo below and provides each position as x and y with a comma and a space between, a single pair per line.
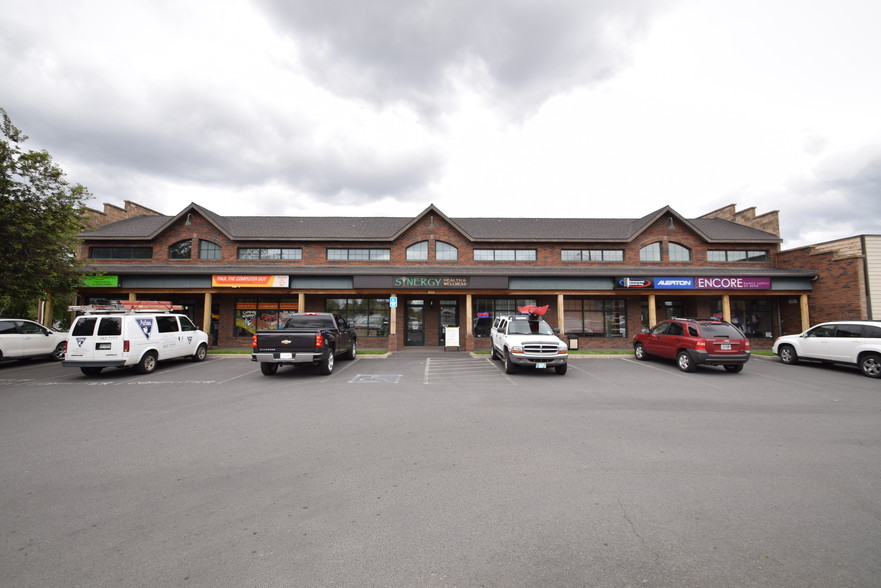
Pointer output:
561, 369
268, 369
325, 367
91, 371
734, 369
58, 353
683, 360
201, 352
147, 363
871, 365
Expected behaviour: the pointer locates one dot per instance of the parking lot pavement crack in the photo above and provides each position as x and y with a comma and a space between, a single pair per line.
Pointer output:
642, 540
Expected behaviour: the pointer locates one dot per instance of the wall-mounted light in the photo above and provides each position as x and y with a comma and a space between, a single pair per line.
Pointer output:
189, 219
671, 223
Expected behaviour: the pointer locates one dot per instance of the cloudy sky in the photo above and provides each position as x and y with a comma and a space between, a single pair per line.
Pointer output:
588, 108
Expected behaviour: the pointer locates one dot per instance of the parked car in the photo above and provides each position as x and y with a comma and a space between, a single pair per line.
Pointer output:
527, 341
23, 339
847, 342
693, 342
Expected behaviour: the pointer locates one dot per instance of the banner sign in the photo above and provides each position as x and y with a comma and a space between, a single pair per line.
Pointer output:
226, 281
694, 283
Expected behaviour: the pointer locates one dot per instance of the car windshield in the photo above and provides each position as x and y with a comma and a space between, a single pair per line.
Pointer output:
529, 328
720, 331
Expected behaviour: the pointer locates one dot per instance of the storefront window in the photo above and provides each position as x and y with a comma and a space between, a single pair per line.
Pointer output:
369, 316
753, 317
487, 309
261, 313
595, 317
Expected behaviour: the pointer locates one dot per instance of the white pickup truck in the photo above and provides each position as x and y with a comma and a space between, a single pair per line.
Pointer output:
523, 340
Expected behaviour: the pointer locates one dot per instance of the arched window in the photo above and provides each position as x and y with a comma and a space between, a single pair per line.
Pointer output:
181, 250
650, 252
679, 252
446, 252
418, 251
208, 250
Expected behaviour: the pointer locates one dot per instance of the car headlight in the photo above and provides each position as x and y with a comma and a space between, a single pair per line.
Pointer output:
517, 349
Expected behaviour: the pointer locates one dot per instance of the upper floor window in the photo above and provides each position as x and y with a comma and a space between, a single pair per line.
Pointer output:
270, 253
679, 252
650, 252
181, 250
359, 254
208, 250
592, 254
418, 251
725, 255
120, 253
504, 255
446, 252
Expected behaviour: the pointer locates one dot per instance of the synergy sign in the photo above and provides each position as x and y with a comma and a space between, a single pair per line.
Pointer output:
728, 283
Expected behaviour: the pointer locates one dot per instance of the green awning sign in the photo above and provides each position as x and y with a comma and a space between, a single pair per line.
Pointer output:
101, 281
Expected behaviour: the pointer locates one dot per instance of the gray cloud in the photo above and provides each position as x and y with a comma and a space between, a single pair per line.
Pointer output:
522, 52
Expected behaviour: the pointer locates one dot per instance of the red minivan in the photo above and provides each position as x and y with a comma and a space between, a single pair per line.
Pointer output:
692, 342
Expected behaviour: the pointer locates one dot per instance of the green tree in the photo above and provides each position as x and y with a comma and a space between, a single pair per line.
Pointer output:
40, 216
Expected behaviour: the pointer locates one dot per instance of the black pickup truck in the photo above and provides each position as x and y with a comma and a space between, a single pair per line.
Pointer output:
309, 337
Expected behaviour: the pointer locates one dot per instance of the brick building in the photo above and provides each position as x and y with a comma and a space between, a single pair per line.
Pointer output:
848, 284
402, 281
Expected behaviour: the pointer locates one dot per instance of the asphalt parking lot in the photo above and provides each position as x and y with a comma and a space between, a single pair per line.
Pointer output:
433, 469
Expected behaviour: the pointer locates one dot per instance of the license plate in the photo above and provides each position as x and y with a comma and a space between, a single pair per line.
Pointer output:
725, 346
286, 356
541, 365
102, 346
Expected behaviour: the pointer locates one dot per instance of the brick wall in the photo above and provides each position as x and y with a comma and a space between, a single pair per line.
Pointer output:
840, 290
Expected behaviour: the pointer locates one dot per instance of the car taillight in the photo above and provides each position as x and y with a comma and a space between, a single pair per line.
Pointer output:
700, 344
319, 340
254, 341
746, 344
126, 346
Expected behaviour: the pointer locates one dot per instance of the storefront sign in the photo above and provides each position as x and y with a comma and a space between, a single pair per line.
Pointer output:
633, 283
225, 281
101, 281
429, 282
729, 283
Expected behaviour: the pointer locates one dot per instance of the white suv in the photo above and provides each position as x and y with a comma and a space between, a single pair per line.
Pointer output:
850, 342
528, 341
23, 339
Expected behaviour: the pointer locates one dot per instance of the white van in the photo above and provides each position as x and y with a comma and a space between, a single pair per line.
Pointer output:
104, 338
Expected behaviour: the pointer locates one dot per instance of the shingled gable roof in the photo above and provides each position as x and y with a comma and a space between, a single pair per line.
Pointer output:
379, 229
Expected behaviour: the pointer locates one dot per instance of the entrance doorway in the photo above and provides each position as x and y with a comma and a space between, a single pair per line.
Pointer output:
449, 317
415, 323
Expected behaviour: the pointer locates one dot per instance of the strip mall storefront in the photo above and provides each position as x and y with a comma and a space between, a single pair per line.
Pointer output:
392, 311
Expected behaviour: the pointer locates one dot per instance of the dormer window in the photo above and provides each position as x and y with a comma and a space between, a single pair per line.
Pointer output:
418, 251
208, 250
679, 252
181, 250
650, 252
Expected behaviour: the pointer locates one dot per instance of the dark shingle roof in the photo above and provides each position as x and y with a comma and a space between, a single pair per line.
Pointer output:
387, 228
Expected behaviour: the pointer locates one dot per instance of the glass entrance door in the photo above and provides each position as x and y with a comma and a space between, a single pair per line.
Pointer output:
449, 317
415, 322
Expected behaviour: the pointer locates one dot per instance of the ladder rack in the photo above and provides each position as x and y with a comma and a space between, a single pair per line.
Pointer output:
126, 307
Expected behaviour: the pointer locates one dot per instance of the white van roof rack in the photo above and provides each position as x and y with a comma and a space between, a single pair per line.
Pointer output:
126, 306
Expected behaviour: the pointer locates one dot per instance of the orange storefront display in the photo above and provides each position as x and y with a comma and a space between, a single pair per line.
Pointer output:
248, 281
